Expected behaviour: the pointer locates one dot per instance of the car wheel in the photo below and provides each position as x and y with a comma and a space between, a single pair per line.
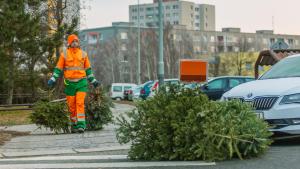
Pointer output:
118, 99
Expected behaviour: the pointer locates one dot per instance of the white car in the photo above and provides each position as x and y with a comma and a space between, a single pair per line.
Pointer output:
117, 90
275, 96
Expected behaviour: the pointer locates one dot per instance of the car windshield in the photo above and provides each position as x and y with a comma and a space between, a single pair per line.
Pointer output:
286, 68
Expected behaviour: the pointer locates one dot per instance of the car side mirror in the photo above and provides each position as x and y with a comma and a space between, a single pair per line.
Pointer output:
206, 87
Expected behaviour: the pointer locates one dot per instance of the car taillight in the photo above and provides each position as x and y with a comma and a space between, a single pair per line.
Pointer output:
143, 91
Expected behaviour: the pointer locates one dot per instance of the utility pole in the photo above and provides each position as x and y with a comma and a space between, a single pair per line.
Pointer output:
161, 46
139, 46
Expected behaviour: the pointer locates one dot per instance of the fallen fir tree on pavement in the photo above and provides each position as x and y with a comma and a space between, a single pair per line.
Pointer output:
182, 124
55, 115
97, 110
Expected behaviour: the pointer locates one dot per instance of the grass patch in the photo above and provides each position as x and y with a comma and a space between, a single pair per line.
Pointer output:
20, 117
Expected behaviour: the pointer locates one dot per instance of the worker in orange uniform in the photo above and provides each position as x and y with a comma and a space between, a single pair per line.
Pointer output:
74, 64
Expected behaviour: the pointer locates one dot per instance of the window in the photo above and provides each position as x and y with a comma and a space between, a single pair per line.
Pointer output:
216, 84
265, 41
291, 41
192, 16
206, 24
141, 17
123, 35
288, 67
149, 9
123, 47
127, 88
176, 23
175, 15
192, 7
141, 9
134, 10
236, 49
117, 88
212, 39
230, 48
250, 40
125, 59
220, 38
212, 49
175, 7
168, 15
197, 17
196, 9
197, 24
272, 40
249, 80
233, 83
168, 7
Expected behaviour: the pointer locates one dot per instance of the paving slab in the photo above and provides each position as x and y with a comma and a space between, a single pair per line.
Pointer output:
114, 148
109, 165
37, 153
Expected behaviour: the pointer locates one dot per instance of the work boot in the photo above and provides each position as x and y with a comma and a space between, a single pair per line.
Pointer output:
80, 130
81, 126
74, 128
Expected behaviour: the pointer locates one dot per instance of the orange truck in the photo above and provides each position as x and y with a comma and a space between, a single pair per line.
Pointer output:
193, 70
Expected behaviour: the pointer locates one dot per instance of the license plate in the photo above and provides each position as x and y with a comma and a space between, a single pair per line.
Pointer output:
260, 115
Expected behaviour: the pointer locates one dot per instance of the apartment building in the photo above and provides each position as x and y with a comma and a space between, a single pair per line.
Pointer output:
176, 12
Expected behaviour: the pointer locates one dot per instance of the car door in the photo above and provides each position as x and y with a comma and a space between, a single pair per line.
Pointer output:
215, 88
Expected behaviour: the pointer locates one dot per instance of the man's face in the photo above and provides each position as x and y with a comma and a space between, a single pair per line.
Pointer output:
75, 44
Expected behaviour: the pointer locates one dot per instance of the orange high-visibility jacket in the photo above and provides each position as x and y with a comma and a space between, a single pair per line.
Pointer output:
74, 64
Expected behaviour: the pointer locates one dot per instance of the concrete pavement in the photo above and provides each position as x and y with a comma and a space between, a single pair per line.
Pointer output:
44, 142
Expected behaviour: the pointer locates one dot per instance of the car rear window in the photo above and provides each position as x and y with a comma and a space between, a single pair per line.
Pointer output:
234, 82
117, 88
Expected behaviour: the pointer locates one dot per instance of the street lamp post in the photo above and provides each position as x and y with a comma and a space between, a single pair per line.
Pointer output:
139, 46
161, 46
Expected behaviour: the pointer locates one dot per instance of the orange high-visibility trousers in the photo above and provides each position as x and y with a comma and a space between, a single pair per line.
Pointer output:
76, 107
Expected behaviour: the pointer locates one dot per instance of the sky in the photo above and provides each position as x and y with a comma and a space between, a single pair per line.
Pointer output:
249, 15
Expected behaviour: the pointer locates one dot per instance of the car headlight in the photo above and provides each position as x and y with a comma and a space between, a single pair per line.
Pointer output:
289, 99
223, 99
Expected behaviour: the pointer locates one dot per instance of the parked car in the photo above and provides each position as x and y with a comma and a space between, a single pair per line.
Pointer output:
275, 96
117, 90
146, 89
216, 87
166, 82
133, 94
136, 92
128, 94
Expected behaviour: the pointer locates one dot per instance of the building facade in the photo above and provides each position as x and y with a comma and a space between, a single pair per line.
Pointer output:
119, 45
175, 12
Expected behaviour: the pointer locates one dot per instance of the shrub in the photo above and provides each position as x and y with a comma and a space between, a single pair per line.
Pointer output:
55, 116
182, 124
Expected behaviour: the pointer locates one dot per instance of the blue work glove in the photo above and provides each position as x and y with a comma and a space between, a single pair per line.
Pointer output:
51, 82
96, 83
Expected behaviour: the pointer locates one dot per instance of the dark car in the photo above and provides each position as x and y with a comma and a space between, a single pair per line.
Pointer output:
216, 87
